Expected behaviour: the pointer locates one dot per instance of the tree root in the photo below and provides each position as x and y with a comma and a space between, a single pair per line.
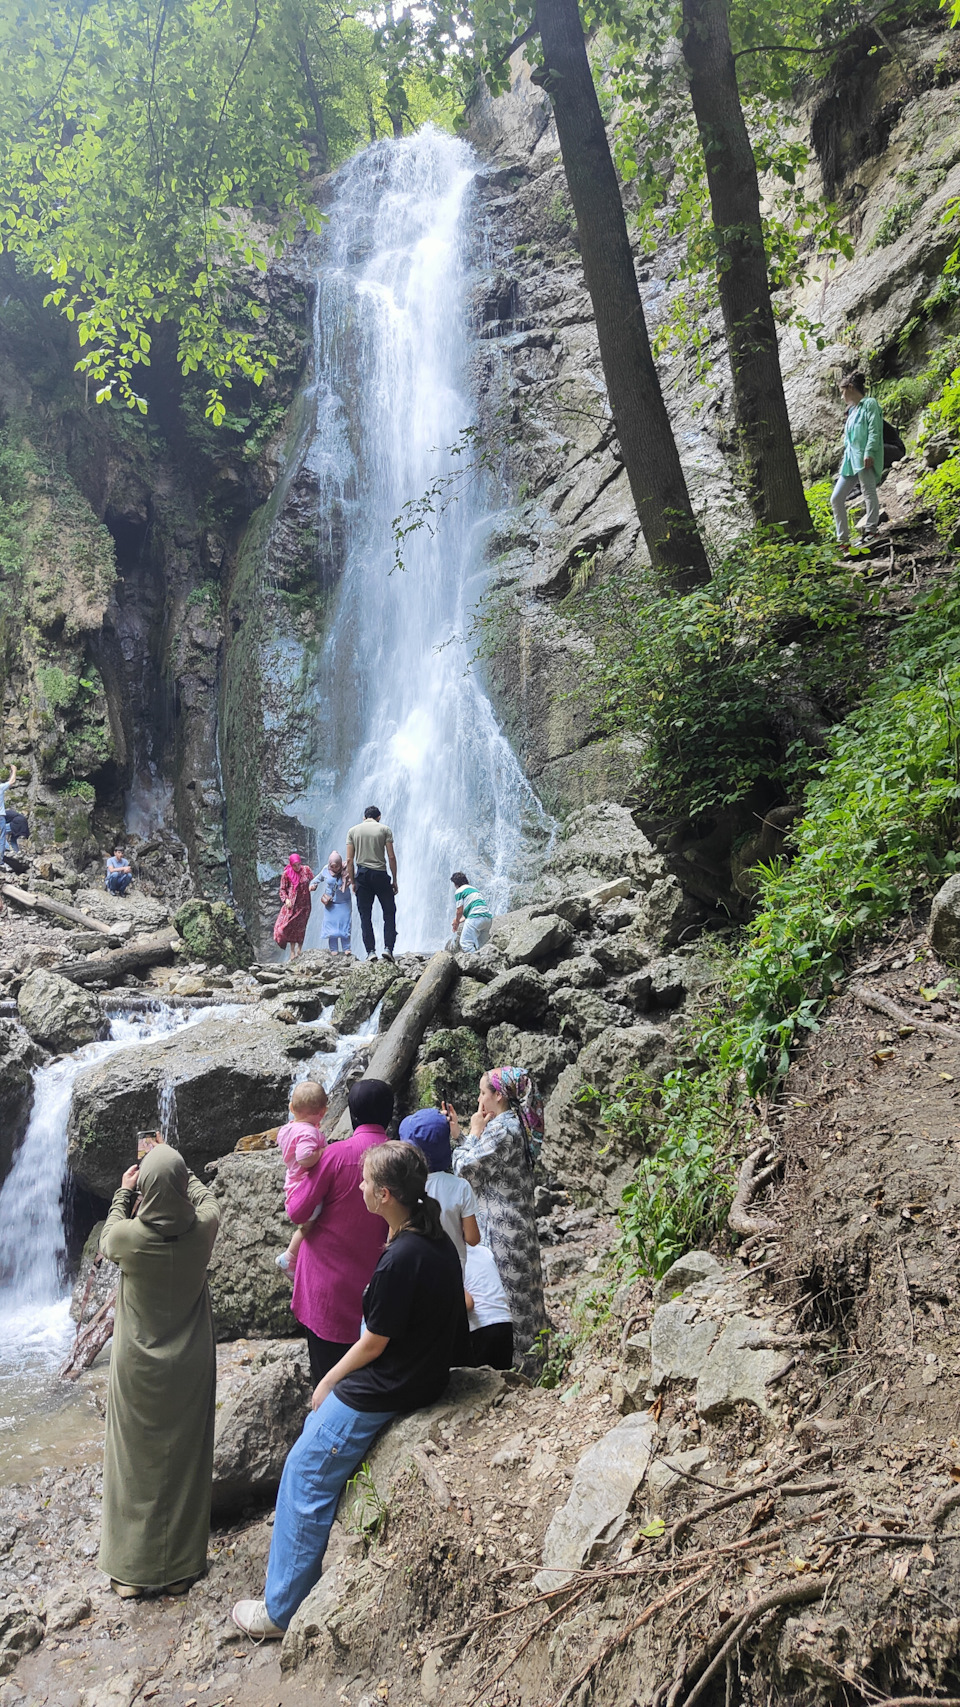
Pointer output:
938, 1511
736, 1494
629, 1630
740, 1219
883, 1005
714, 1653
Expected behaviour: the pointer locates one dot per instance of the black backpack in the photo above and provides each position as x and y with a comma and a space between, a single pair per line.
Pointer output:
17, 825
893, 445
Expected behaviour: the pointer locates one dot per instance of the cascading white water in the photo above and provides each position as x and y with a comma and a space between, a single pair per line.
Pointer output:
403, 722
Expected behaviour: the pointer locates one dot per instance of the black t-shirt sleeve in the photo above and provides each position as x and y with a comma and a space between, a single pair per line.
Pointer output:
387, 1299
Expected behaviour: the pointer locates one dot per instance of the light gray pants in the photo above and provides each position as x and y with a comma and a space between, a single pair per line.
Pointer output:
475, 935
847, 483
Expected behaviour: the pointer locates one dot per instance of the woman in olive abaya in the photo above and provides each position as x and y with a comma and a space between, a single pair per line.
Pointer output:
158, 1454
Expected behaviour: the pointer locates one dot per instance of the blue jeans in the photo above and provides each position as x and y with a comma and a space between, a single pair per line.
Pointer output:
118, 882
334, 1441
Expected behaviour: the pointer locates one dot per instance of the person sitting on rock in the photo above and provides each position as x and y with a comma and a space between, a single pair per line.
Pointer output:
429, 1129
300, 1143
473, 918
119, 875
413, 1319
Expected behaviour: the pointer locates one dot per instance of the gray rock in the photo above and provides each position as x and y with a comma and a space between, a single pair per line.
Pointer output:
579, 972
142, 912
543, 1056
637, 989
945, 920
249, 1293
668, 912
680, 1342
65, 1610
735, 1372
577, 1150
534, 939
256, 1428
595, 1515
364, 986
615, 1053
58, 1014
484, 966
612, 891
618, 955
21, 1630
230, 1077
18, 1057
517, 995
584, 1013
576, 909
602, 843
670, 978
686, 1271
680, 1474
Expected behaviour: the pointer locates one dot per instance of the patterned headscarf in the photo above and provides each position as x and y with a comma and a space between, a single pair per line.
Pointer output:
516, 1084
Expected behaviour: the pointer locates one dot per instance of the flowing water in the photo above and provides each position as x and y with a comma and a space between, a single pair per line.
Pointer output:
402, 719
35, 1327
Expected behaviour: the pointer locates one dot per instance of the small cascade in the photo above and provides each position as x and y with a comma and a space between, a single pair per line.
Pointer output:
401, 717
167, 1102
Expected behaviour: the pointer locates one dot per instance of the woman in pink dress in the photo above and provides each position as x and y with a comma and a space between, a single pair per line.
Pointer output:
294, 914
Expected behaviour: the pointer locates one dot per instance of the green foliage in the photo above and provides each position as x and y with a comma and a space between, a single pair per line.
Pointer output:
154, 156
818, 503
697, 677
879, 827
897, 219
681, 1193
80, 791
940, 488
206, 595
58, 688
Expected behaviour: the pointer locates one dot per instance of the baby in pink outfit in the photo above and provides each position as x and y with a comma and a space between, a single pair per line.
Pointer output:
300, 1142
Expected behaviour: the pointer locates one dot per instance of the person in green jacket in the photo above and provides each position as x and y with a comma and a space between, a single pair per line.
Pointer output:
862, 463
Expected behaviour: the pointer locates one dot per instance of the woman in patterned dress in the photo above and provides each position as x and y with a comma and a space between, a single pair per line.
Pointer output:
497, 1157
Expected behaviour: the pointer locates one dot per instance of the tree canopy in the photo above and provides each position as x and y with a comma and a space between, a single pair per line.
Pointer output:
153, 150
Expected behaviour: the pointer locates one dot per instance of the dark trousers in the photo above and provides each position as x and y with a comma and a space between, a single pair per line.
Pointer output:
493, 1346
323, 1354
376, 886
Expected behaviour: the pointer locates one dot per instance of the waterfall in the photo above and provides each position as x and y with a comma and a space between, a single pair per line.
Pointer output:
401, 718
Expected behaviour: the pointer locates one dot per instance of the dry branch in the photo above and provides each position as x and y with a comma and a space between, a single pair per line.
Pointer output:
942, 1506
883, 1005
90, 1340
740, 1220
433, 1479
629, 1630
27, 898
736, 1494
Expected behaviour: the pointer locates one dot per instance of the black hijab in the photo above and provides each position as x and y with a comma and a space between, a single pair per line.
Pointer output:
371, 1103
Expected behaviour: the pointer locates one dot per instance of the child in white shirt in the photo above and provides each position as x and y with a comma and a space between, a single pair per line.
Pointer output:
429, 1130
488, 1313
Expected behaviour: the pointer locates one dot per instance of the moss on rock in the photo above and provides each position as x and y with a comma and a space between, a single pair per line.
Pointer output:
212, 932
448, 1067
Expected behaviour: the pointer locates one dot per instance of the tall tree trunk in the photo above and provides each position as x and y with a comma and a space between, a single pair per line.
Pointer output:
647, 444
319, 120
772, 472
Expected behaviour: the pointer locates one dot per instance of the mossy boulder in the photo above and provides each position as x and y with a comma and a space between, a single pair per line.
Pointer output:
212, 932
448, 1067
363, 987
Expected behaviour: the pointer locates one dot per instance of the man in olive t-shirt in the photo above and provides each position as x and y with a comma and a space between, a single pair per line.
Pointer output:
369, 847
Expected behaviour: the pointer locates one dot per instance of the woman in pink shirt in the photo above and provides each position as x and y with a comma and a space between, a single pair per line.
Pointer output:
340, 1250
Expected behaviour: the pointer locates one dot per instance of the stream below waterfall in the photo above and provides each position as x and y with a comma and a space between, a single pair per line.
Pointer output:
44, 1420
402, 720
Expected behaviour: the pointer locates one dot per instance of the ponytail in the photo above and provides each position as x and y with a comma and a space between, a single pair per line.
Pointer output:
401, 1169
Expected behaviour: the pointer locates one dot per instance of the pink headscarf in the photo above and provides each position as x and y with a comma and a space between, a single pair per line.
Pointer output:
294, 870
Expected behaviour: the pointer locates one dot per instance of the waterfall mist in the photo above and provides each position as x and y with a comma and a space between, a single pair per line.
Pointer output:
402, 721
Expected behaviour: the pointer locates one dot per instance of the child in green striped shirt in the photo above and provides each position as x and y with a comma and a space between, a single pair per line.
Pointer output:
473, 918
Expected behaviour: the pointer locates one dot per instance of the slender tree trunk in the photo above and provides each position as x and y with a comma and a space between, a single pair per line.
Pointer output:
319, 120
773, 476
647, 444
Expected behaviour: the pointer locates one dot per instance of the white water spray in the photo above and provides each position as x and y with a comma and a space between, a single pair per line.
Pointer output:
404, 723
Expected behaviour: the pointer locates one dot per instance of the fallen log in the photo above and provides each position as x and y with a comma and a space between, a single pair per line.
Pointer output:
143, 951
140, 1002
91, 1339
26, 898
394, 1052
741, 1218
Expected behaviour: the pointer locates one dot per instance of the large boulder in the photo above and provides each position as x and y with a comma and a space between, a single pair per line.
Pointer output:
448, 1068
249, 1293
518, 995
618, 955
58, 1014
229, 1077
364, 986
18, 1057
577, 1149
143, 914
622, 1050
584, 1014
256, 1427
543, 1056
212, 932
600, 844
524, 940
945, 920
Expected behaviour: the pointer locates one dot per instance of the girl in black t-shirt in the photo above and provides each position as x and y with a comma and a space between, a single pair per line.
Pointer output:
414, 1322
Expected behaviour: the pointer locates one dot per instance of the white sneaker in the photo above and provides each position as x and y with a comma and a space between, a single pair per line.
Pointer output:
252, 1617
283, 1261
